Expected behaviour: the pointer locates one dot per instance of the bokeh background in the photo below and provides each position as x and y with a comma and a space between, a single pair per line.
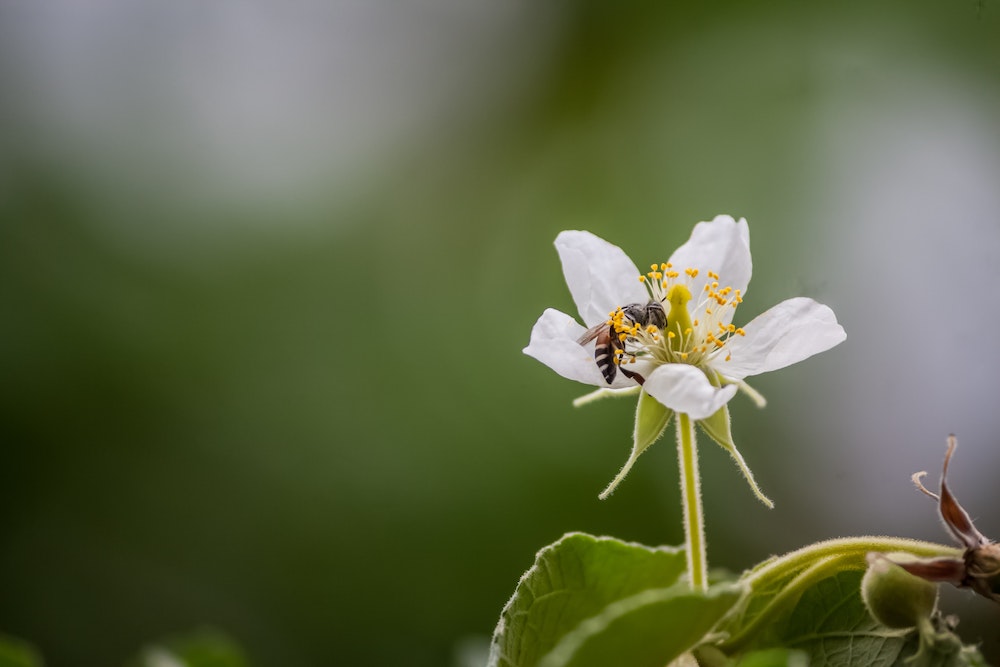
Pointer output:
266, 270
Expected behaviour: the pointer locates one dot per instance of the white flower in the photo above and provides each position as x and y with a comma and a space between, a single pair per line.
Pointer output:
697, 362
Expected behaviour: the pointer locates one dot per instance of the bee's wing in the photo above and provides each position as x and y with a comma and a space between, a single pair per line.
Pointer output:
591, 333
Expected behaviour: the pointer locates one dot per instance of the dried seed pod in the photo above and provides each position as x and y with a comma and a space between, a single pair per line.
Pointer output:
979, 567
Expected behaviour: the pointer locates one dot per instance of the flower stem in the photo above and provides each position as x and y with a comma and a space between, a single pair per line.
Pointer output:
694, 522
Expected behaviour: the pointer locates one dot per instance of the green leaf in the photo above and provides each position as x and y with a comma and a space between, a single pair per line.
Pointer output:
203, 648
824, 617
572, 580
17, 653
649, 629
651, 419
831, 624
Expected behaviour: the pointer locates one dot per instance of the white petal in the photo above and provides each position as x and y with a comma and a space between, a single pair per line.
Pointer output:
685, 388
723, 246
792, 331
554, 343
600, 276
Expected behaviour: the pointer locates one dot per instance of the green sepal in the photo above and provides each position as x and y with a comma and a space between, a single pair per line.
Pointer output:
717, 427
603, 393
651, 419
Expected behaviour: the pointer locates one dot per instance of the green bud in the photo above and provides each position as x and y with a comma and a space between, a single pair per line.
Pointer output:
894, 597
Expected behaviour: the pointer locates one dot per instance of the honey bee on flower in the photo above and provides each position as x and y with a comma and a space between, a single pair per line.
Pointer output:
668, 332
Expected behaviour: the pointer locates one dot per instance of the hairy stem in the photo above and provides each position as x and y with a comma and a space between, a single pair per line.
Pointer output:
694, 521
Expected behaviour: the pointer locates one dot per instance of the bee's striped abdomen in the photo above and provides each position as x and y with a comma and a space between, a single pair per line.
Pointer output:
604, 355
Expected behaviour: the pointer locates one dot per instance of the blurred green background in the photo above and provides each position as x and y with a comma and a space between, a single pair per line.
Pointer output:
266, 270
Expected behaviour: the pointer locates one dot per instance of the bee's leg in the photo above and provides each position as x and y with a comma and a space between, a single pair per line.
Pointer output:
632, 375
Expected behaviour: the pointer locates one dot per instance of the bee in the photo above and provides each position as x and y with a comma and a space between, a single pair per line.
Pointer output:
609, 342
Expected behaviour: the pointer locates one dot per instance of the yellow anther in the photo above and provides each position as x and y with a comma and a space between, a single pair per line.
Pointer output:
687, 332
642, 279
684, 355
656, 275
713, 274
695, 323
671, 334
715, 284
664, 266
719, 343
654, 267
708, 311
623, 337
708, 288
741, 332
691, 272
617, 361
672, 274
664, 284
729, 357
651, 329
